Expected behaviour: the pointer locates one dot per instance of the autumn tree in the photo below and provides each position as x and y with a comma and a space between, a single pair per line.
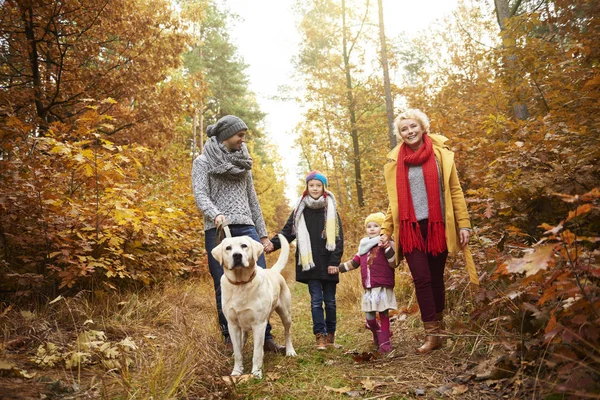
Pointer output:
95, 166
344, 99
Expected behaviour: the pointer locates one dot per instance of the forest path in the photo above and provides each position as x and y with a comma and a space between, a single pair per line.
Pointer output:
179, 353
354, 369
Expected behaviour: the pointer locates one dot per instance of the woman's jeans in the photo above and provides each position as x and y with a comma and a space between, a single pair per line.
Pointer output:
322, 292
216, 269
428, 276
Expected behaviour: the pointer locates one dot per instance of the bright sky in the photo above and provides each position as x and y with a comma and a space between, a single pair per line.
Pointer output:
266, 38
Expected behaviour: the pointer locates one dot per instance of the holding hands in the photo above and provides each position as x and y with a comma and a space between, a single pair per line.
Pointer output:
333, 269
384, 241
267, 245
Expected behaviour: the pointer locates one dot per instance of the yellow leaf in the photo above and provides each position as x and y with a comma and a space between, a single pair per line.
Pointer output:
532, 262
341, 390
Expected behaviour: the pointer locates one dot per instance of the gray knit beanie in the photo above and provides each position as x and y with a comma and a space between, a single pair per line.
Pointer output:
226, 127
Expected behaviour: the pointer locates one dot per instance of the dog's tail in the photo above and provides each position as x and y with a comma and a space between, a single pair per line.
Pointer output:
283, 254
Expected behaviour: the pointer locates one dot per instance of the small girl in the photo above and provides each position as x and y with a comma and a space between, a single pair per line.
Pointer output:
317, 227
377, 265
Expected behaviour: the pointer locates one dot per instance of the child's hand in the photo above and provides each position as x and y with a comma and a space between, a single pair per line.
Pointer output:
384, 241
333, 269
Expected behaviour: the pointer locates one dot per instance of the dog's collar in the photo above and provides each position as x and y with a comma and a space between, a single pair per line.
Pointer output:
242, 282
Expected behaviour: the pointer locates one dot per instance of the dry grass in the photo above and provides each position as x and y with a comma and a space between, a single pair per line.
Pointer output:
179, 353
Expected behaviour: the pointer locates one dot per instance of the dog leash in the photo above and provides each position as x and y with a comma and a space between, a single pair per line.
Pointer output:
222, 232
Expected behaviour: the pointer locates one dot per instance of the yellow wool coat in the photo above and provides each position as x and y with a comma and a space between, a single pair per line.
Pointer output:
456, 214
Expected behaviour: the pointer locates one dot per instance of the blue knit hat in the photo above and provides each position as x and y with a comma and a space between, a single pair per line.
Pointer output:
226, 127
318, 175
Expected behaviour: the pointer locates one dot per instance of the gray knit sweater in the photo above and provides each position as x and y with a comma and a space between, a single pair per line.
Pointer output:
236, 198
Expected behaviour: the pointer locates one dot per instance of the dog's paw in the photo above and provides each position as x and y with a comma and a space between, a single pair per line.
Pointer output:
257, 374
291, 353
237, 372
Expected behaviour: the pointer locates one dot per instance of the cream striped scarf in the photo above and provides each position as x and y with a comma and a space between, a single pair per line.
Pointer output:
302, 236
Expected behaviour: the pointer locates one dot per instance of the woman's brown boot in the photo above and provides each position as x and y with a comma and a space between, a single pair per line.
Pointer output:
432, 341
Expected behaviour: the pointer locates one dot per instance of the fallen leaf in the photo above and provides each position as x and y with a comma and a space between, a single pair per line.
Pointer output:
272, 376
6, 367
21, 373
459, 389
234, 380
341, 390
364, 357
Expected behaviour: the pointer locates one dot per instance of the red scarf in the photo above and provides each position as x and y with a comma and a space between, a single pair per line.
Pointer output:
410, 233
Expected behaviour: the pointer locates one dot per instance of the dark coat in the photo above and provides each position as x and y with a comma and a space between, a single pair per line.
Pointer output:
315, 224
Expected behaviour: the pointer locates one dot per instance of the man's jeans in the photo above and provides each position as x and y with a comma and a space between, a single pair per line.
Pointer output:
216, 269
322, 292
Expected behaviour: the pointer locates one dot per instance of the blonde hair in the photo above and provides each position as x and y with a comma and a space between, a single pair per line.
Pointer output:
411, 113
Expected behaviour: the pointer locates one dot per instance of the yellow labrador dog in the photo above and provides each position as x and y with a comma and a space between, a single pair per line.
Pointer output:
249, 294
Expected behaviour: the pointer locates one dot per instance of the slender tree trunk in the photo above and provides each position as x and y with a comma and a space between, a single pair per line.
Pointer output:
352, 112
389, 106
503, 13
194, 124
27, 16
336, 168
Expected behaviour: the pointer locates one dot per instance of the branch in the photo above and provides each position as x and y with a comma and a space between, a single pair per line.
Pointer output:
515, 7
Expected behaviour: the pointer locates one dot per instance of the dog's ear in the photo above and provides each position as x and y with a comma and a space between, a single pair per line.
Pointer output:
217, 253
257, 249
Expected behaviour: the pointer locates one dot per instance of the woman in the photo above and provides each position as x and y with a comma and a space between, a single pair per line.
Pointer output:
427, 214
224, 192
316, 226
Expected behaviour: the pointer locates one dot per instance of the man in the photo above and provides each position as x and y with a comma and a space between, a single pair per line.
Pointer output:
224, 192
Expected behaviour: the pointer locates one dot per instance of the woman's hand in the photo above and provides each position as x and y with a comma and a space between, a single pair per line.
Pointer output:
465, 236
267, 245
384, 241
219, 220
333, 269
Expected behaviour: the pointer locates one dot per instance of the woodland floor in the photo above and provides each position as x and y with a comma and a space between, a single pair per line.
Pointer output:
352, 370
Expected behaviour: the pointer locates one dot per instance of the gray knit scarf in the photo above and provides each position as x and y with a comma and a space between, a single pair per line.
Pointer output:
230, 165
366, 244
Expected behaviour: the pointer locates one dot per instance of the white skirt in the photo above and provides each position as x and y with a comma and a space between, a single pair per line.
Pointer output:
379, 299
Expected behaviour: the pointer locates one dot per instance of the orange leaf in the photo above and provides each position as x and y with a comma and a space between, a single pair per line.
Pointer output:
582, 209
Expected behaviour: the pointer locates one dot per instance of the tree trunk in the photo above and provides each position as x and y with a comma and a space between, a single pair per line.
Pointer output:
503, 13
352, 112
27, 16
389, 106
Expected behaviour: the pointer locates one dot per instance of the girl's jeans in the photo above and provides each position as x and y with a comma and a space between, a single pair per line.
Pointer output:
322, 292
216, 269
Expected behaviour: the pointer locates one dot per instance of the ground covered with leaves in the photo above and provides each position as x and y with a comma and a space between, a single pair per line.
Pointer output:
164, 344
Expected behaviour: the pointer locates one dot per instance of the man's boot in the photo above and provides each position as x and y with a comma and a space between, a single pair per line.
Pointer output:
272, 346
331, 340
321, 340
432, 340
